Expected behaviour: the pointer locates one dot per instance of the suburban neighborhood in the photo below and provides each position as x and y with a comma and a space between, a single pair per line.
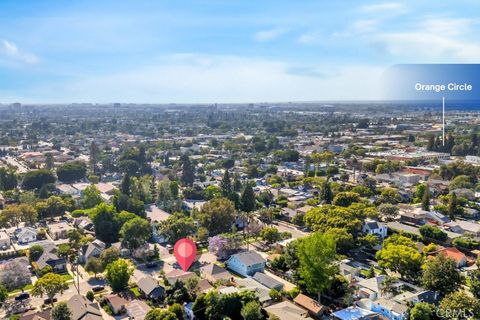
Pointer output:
319, 214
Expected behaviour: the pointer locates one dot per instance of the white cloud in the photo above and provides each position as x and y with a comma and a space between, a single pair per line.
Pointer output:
359, 27
427, 45
268, 35
447, 26
208, 78
365, 25
383, 7
11, 50
309, 38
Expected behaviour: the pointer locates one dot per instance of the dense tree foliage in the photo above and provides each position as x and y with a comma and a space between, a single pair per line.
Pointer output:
217, 215
72, 171
37, 178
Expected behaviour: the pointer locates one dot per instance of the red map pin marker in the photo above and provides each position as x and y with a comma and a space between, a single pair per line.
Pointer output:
185, 251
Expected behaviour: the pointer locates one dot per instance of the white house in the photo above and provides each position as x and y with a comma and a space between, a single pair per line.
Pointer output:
376, 228
246, 263
26, 235
93, 249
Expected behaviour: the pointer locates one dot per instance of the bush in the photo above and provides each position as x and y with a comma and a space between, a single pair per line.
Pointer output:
466, 242
78, 213
432, 232
294, 293
90, 295
275, 295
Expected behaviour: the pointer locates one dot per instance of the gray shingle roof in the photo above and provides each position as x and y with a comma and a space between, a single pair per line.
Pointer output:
267, 281
249, 258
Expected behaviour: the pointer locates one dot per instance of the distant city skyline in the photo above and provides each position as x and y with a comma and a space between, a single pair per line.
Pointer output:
222, 51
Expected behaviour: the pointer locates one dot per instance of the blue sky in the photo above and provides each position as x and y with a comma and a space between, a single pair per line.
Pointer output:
222, 51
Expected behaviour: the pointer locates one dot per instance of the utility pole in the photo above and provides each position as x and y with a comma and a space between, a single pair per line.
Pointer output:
443, 121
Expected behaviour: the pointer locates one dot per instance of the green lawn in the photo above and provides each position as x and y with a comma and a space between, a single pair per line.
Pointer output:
67, 277
28, 287
136, 292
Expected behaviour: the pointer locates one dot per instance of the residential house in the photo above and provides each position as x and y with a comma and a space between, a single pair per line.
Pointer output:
58, 230
68, 190
453, 253
83, 223
303, 210
354, 313
49, 258
106, 190
4, 240
288, 213
91, 250
37, 315
26, 235
287, 311
214, 273
267, 281
411, 217
436, 217
188, 308
150, 288
246, 263
116, 303
262, 292
390, 309
203, 286
83, 309
370, 288
348, 270
179, 275
314, 308
137, 309
376, 228
464, 227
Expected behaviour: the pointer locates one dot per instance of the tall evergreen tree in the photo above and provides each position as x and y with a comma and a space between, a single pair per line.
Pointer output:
126, 184
94, 155
226, 185
426, 199
248, 199
431, 143
153, 190
237, 184
326, 193
49, 163
452, 206
188, 171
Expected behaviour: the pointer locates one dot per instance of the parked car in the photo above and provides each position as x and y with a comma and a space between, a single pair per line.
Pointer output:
98, 288
22, 296
50, 301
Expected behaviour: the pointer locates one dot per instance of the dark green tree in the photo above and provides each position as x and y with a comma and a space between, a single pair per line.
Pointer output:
126, 184
452, 206
248, 199
226, 185
188, 171
440, 274
426, 199
72, 171
37, 178
326, 194
61, 312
